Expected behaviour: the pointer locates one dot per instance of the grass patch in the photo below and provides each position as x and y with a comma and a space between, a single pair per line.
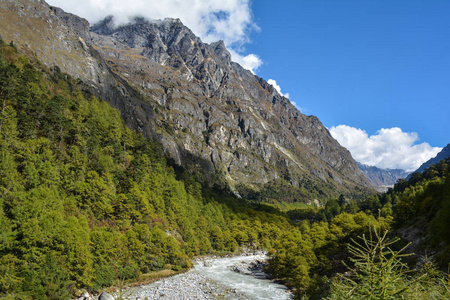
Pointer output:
153, 276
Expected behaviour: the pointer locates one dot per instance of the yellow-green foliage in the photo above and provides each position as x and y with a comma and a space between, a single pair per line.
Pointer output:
311, 258
299, 256
380, 274
425, 199
85, 201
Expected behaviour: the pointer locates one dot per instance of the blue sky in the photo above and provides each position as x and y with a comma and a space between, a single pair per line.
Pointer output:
367, 64
376, 73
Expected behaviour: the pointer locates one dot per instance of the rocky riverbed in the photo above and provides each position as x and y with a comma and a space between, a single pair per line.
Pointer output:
236, 278
190, 285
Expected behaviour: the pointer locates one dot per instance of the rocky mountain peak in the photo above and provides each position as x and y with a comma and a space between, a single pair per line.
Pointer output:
221, 51
155, 38
106, 26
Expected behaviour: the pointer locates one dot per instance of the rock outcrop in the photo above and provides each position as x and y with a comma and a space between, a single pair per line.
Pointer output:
203, 107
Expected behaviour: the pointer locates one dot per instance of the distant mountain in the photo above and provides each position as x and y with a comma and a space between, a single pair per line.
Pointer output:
208, 112
445, 153
382, 178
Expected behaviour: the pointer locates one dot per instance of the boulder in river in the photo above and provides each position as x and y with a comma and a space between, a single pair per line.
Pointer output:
254, 268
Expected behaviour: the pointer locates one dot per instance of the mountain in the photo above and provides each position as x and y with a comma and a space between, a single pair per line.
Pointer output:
382, 178
86, 201
445, 153
208, 112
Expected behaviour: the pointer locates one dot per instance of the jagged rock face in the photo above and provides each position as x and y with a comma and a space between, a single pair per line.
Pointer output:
219, 111
57, 38
170, 85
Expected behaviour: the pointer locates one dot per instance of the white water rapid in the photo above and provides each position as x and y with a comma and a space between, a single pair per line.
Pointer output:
218, 270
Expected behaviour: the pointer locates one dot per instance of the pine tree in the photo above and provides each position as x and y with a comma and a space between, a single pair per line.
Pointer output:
378, 271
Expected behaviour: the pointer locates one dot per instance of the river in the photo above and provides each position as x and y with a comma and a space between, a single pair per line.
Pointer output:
218, 270
212, 278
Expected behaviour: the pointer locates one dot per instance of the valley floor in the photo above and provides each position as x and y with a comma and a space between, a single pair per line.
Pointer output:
211, 278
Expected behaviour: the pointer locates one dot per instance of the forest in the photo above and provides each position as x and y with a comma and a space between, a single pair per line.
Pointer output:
354, 250
86, 202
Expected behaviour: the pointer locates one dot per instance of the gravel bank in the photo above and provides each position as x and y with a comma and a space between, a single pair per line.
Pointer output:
237, 278
190, 285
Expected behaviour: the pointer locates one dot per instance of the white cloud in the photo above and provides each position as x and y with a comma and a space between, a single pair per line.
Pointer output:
273, 82
250, 62
278, 89
388, 148
212, 20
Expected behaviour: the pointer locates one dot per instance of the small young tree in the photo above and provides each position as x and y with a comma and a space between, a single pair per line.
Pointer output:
378, 271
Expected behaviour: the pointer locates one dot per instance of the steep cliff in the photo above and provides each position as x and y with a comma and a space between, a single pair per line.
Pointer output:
57, 38
204, 108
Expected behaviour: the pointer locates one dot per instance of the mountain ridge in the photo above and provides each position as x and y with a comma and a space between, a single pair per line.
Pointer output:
382, 179
205, 109
176, 39
443, 154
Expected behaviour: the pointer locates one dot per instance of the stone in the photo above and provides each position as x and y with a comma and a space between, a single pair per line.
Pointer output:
84, 296
105, 296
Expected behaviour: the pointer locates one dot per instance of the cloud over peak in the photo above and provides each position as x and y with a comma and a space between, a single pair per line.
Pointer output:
274, 83
250, 62
227, 20
388, 148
